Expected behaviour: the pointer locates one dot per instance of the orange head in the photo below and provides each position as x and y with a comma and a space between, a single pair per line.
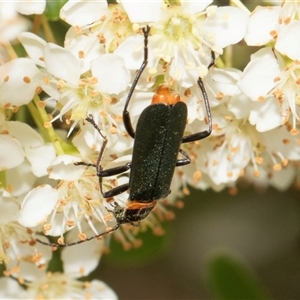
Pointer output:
163, 95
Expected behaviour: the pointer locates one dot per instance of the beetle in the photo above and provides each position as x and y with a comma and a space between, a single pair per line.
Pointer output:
157, 139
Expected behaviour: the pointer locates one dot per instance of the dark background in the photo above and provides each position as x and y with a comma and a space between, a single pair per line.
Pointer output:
261, 228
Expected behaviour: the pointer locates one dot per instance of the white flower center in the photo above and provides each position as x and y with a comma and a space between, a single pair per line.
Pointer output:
89, 97
178, 28
11, 230
294, 82
56, 286
180, 40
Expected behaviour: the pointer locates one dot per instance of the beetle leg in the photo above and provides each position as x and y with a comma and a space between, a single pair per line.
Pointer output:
105, 173
116, 191
112, 171
126, 116
184, 161
205, 133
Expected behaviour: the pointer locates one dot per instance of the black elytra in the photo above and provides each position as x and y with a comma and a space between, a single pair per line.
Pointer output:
157, 140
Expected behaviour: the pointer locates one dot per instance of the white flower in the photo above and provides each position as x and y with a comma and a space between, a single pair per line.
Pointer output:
15, 182
42, 284
11, 232
76, 200
108, 31
80, 92
256, 33
17, 75
10, 289
281, 26
17, 139
221, 158
224, 158
263, 176
183, 37
18, 249
11, 22
19, 142
274, 89
235, 144
77, 266
40, 157
79, 13
62, 286
36, 205
30, 7
255, 121
11, 153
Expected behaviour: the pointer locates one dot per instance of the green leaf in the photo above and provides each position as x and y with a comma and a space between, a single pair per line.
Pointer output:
229, 278
152, 247
53, 8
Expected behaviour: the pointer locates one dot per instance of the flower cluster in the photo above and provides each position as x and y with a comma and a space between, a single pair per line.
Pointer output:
254, 136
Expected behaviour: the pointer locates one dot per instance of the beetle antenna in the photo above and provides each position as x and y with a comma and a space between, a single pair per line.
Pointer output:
98, 166
91, 120
55, 245
213, 59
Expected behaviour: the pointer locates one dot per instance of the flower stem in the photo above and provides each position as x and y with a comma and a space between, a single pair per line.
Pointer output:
227, 56
2, 179
9, 49
37, 120
48, 32
43, 122
36, 23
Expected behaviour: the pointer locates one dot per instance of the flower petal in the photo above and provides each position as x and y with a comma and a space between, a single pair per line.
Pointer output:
31, 7
85, 47
142, 11
112, 75
81, 265
80, 13
62, 64
288, 42
265, 115
11, 152
256, 33
258, 77
101, 290
240, 106
12, 23
9, 208
228, 25
40, 158
15, 178
17, 75
34, 47
27, 136
193, 7
63, 168
11, 289
37, 205
132, 52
